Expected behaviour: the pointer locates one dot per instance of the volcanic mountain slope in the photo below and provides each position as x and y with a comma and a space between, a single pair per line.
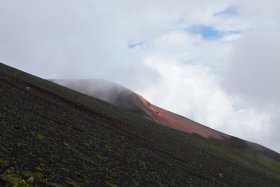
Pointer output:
128, 100
54, 136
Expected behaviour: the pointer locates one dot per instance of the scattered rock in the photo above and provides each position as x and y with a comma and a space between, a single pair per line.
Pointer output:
220, 175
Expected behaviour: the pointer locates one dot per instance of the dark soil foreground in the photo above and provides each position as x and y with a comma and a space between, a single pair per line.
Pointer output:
53, 136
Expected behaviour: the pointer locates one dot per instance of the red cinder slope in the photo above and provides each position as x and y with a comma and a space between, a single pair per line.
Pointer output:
178, 122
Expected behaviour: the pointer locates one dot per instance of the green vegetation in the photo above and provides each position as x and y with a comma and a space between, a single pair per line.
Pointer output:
40, 137
109, 184
17, 182
53, 136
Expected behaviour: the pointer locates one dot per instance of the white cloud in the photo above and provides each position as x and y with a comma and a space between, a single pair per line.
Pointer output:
189, 90
252, 74
255, 65
193, 91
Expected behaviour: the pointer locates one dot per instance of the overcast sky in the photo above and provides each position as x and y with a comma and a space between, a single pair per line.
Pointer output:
216, 62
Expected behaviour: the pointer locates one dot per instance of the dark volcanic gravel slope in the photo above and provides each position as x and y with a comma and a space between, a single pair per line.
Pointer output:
53, 136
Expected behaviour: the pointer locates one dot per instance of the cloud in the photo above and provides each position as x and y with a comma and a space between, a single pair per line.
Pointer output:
252, 75
194, 91
70, 39
255, 65
189, 90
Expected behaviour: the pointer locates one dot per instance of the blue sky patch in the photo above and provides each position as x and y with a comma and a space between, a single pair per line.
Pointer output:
134, 44
207, 32
228, 12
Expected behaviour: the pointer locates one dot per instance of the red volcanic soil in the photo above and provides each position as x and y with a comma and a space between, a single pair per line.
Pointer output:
178, 122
